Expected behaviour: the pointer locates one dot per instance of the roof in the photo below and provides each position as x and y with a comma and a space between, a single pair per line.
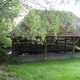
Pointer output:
63, 32
21, 29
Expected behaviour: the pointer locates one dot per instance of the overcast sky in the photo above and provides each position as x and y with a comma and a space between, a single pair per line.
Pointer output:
56, 4
52, 4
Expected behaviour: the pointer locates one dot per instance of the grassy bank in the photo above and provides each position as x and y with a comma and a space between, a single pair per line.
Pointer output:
68, 69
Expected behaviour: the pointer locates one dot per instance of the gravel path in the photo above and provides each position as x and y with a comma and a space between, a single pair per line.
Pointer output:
49, 56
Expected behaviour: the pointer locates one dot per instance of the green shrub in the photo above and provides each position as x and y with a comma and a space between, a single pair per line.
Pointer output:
3, 76
12, 59
2, 55
7, 58
7, 76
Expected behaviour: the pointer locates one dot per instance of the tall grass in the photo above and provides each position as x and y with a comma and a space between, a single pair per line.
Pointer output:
68, 69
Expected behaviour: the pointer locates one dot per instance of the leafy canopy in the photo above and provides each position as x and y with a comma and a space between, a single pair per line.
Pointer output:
8, 11
38, 23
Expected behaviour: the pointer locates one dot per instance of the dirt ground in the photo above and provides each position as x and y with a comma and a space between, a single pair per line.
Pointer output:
50, 56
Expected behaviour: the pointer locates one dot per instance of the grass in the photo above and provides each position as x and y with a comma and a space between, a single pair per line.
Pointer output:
68, 69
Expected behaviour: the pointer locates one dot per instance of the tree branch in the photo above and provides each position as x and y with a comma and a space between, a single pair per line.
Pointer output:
36, 3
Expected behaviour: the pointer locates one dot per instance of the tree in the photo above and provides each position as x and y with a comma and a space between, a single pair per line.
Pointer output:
38, 23
9, 9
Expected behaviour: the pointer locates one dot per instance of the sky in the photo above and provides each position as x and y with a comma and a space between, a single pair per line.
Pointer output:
51, 4
56, 4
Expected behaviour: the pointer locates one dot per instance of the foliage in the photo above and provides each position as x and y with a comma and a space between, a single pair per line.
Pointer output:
12, 59
7, 58
4, 75
40, 22
8, 11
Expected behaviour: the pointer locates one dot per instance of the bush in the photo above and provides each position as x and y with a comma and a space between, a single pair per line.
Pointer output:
7, 76
12, 59
3, 76
2, 54
7, 58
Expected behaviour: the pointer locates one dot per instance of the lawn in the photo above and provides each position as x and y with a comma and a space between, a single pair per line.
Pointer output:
68, 69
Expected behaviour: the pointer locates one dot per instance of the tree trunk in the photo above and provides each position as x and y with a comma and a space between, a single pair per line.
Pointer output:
45, 53
13, 47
